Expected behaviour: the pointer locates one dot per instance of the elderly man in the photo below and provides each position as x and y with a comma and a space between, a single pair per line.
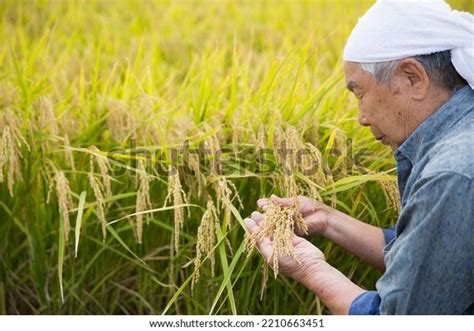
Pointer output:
411, 66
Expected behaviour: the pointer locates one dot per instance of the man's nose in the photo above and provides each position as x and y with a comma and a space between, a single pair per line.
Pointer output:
362, 120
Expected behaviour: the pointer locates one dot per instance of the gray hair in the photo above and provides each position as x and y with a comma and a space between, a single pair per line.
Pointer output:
438, 66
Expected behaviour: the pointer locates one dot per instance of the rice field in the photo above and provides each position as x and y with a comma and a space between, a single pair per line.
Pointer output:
137, 135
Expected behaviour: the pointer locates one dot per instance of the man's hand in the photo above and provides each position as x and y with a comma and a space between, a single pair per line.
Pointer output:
359, 238
316, 214
307, 254
335, 290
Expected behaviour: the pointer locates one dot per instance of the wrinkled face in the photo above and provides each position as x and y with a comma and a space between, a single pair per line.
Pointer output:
385, 108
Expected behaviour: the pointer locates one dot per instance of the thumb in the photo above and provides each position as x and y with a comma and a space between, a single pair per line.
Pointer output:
264, 245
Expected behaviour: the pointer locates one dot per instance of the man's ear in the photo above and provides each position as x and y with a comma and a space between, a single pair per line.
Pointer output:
414, 77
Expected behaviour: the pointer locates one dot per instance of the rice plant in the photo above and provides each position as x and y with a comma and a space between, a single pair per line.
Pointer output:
135, 137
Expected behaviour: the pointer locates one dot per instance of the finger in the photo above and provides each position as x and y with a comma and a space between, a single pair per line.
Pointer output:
262, 202
307, 205
283, 201
264, 245
301, 231
310, 206
257, 217
265, 248
264, 205
251, 225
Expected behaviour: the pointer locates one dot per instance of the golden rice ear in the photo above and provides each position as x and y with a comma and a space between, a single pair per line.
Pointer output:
176, 192
206, 240
213, 146
11, 142
237, 135
294, 144
64, 194
277, 142
290, 186
148, 130
391, 193
261, 137
195, 165
97, 188
143, 201
316, 163
5, 144
223, 189
294, 155
8, 95
279, 225
68, 153
103, 164
121, 121
46, 118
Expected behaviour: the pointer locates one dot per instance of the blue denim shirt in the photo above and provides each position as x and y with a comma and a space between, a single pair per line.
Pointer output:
429, 255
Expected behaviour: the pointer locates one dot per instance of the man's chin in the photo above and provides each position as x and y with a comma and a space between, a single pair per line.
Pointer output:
392, 145
385, 141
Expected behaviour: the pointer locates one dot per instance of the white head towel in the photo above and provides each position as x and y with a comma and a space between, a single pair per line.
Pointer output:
392, 30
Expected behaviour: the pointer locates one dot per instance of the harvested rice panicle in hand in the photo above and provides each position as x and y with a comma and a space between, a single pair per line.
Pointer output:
279, 225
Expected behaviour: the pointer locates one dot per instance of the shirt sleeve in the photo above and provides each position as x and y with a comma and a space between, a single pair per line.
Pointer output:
430, 267
389, 234
365, 304
368, 302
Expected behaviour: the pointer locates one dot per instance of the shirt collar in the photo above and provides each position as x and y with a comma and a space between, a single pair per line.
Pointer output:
420, 141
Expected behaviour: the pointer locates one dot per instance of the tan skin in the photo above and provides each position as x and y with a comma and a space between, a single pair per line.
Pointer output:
395, 109
392, 110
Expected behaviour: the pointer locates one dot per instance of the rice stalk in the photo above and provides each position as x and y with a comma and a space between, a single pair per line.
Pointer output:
264, 279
